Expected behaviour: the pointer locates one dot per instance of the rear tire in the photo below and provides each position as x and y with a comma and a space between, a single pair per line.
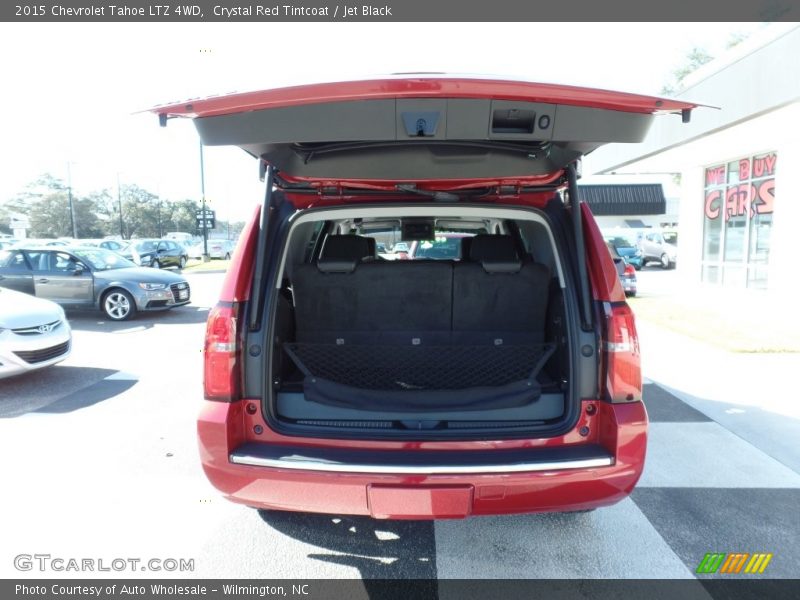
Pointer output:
665, 262
182, 262
118, 305
155, 264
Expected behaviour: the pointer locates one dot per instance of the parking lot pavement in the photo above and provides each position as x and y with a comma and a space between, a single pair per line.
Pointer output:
103, 459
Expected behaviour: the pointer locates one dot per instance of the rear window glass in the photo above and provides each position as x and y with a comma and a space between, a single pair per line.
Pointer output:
621, 241
444, 247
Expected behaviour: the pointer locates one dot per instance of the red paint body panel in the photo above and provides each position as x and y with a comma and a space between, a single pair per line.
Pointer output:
222, 427
236, 286
422, 87
603, 277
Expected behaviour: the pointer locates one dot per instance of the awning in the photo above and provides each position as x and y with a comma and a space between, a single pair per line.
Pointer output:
623, 200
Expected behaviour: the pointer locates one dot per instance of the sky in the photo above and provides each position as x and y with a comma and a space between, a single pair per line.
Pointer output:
74, 93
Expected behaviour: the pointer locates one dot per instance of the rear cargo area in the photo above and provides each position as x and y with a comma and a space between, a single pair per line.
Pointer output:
366, 340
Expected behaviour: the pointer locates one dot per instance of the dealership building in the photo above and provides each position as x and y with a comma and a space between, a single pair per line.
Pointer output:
739, 166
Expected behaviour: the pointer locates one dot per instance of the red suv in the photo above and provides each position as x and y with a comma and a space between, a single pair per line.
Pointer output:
503, 378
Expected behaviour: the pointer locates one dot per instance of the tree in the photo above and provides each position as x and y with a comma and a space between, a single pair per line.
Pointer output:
46, 204
696, 58
141, 212
183, 215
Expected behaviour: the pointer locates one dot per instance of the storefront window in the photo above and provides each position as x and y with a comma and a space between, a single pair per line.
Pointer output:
738, 207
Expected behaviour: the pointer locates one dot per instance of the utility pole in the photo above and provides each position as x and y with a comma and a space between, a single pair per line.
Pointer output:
119, 201
71, 207
203, 202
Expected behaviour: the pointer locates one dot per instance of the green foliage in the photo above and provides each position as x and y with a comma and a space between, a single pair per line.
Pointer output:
144, 214
696, 58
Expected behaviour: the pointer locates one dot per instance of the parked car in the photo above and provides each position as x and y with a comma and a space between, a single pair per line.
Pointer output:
626, 245
221, 249
400, 247
91, 277
338, 383
627, 275
34, 333
118, 246
661, 247
156, 253
194, 249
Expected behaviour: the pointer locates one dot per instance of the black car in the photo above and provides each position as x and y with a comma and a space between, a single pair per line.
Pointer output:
157, 253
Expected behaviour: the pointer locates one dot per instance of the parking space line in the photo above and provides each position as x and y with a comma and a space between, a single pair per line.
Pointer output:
707, 455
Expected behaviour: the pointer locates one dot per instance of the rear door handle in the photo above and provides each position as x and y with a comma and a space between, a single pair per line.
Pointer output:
42, 280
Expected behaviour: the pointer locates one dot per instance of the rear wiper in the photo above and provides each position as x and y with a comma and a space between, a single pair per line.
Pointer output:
437, 195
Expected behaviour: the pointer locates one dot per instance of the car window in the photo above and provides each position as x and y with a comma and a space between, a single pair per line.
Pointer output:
13, 259
39, 260
443, 248
62, 262
145, 246
671, 238
100, 259
619, 241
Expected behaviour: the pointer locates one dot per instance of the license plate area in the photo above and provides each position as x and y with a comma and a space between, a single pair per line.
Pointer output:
420, 502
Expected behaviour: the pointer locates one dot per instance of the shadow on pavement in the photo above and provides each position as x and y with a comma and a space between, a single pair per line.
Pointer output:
378, 549
58, 389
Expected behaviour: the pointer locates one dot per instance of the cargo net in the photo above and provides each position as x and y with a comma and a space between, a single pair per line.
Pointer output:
420, 367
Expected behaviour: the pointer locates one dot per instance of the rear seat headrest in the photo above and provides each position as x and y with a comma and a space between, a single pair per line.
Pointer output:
349, 247
496, 253
337, 265
341, 253
466, 244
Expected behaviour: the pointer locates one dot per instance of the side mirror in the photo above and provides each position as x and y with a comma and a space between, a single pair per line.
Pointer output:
77, 269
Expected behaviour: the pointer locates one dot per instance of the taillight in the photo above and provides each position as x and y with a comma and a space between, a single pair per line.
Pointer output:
629, 270
623, 371
220, 355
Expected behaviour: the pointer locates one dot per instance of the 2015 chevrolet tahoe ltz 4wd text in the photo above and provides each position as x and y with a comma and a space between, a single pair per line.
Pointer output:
501, 376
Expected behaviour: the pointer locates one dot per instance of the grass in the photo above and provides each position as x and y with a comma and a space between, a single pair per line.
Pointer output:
734, 322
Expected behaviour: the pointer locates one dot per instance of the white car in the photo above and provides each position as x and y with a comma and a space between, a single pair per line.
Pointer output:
220, 249
34, 333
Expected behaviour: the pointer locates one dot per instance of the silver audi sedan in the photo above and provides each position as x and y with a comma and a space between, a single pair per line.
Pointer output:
91, 277
34, 333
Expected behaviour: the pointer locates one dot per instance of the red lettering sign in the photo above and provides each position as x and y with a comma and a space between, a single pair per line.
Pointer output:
712, 203
715, 175
766, 197
764, 165
738, 199
744, 169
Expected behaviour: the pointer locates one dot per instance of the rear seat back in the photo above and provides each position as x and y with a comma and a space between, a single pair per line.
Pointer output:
348, 298
498, 297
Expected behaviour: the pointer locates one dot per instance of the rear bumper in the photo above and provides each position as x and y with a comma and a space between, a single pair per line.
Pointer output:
424, 483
